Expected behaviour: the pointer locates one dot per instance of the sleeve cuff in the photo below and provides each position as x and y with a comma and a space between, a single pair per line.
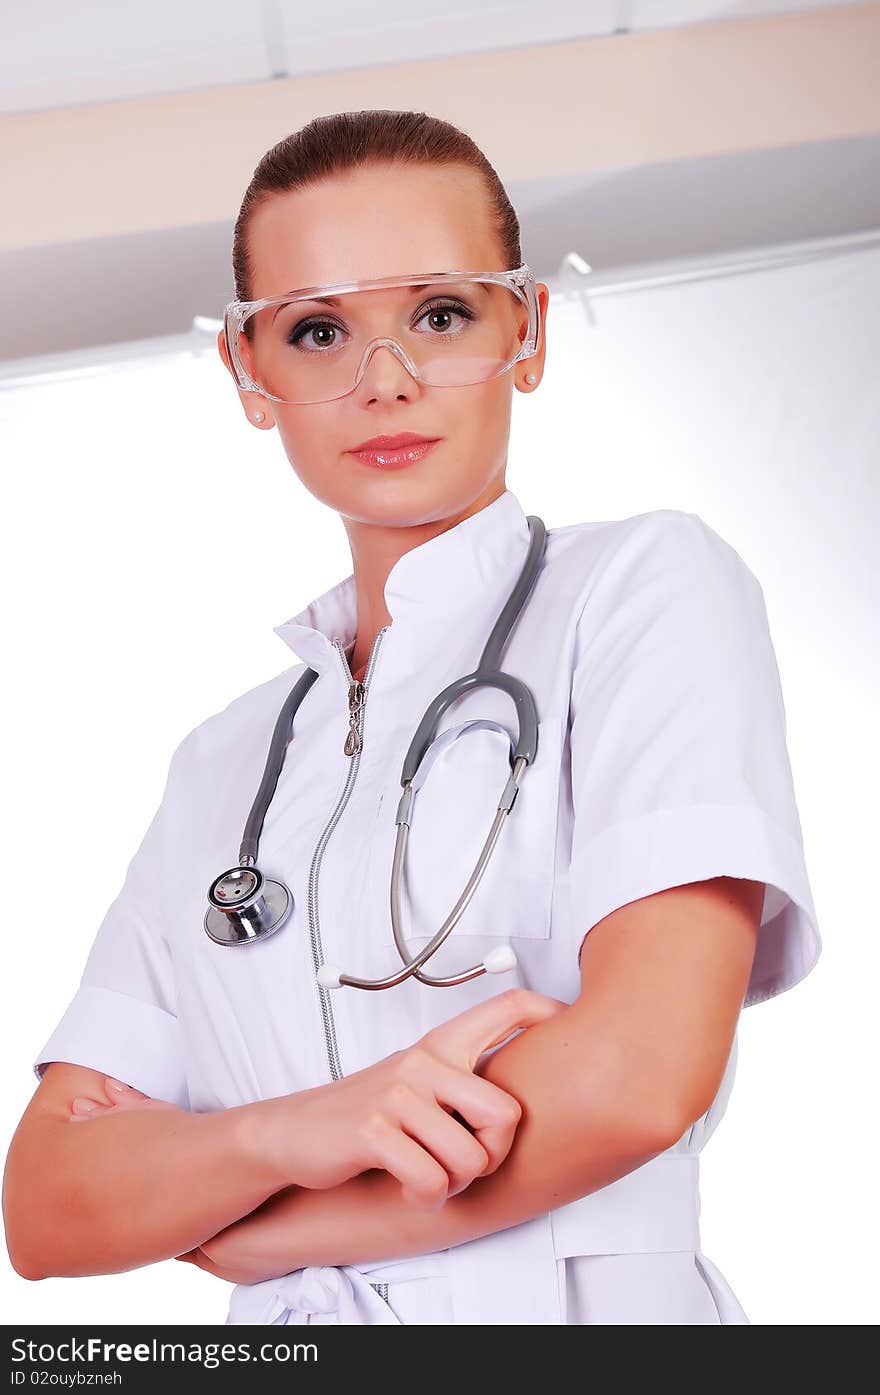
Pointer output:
133, 1040
671, 847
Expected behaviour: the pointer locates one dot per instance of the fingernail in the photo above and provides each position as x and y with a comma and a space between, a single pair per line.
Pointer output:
83, 1106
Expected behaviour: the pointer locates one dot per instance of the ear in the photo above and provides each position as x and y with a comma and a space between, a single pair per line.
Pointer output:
535, 364
537, 361
250, 401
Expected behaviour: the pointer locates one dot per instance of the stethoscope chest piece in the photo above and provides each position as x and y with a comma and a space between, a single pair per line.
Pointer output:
244, 905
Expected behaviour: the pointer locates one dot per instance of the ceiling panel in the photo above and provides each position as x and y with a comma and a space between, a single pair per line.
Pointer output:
353, 34
68, 52
660, 14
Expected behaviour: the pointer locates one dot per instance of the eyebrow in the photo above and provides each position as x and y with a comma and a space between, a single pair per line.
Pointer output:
335, 301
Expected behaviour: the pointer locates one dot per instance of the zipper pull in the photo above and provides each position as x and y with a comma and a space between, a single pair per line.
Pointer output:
355, 703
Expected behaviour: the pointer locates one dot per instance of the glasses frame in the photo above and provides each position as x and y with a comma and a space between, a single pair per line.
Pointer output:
521, 281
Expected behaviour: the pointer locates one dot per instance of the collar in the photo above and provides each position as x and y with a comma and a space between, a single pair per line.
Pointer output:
438, 586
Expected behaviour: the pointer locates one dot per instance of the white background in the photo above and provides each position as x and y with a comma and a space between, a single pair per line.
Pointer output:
152, 540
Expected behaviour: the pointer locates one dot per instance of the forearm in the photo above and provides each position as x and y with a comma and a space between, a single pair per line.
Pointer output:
588, 1118
127, 1189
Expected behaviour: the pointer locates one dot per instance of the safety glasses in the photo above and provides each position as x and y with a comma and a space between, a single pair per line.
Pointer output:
447, 328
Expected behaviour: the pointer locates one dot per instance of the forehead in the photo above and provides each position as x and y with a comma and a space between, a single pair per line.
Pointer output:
372, 222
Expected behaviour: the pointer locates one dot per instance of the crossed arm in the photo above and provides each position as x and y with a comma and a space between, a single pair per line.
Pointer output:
604, 1086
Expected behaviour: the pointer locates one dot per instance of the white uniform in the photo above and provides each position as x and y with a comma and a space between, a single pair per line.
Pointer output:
661, 760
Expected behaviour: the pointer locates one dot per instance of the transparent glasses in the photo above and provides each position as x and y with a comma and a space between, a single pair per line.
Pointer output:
448, 329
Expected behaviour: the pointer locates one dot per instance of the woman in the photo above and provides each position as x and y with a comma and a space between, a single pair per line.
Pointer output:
390, 1156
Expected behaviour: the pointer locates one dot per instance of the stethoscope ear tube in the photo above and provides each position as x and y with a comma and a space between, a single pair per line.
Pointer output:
526, 745
250, 843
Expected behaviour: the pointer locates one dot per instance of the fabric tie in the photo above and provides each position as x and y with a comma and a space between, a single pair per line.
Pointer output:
326, 1293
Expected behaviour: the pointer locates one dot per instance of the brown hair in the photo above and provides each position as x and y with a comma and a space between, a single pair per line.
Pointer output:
346, 140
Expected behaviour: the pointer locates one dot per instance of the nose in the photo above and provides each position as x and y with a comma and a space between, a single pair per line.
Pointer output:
387, 373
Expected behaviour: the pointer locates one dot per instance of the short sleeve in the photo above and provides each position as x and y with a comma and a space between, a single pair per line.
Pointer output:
679, 763
122, 1018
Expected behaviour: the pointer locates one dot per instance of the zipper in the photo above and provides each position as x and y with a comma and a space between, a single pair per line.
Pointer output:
354, 742
356, 692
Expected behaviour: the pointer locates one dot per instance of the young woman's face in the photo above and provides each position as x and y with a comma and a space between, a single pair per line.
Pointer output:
368, 223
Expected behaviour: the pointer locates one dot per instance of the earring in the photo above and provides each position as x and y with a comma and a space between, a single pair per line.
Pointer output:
258, 416
531, 377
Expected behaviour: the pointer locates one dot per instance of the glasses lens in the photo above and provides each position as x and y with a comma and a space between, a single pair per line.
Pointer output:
451, 334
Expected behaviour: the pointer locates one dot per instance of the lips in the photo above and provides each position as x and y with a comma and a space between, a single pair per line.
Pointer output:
403, 438
395, 456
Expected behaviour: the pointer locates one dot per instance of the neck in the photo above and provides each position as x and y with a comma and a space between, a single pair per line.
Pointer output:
375, 548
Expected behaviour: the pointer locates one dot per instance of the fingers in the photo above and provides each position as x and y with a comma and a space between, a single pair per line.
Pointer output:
201, 1260
438, 1129
440, 1072
117, 1095
491, 1113
82, 1108
460, 1154
120, 1092
116, 1092
425, 1183
463, 1039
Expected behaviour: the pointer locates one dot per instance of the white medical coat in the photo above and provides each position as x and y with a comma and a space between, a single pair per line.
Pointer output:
661, 760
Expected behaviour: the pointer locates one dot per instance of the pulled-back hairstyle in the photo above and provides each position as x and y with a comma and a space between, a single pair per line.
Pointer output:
348, 140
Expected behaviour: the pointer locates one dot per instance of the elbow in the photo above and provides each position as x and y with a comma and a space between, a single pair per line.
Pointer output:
20, 1248
19, 1244
651, 1134
25, 1220
658, 1108
22, 1265
605, 1140
651, 1111
32, 1260
692, 1101
668, 1127
637, 1129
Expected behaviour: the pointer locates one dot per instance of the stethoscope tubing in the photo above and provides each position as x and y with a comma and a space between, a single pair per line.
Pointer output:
249, 919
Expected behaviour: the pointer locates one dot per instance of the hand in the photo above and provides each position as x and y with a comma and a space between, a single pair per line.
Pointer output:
421, 1114
117, 1095
230, 1253
201, 1258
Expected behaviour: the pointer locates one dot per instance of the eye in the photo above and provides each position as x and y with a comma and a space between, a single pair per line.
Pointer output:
325, 329
442, 312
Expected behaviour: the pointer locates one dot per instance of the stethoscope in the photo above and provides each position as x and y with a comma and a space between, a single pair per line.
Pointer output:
245, 906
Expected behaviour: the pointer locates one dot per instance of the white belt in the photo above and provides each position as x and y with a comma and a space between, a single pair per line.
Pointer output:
512, 1276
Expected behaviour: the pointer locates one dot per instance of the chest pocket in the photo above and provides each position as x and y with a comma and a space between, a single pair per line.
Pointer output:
459, 786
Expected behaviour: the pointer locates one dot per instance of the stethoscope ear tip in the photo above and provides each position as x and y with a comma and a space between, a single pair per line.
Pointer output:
500, 960
329, 976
